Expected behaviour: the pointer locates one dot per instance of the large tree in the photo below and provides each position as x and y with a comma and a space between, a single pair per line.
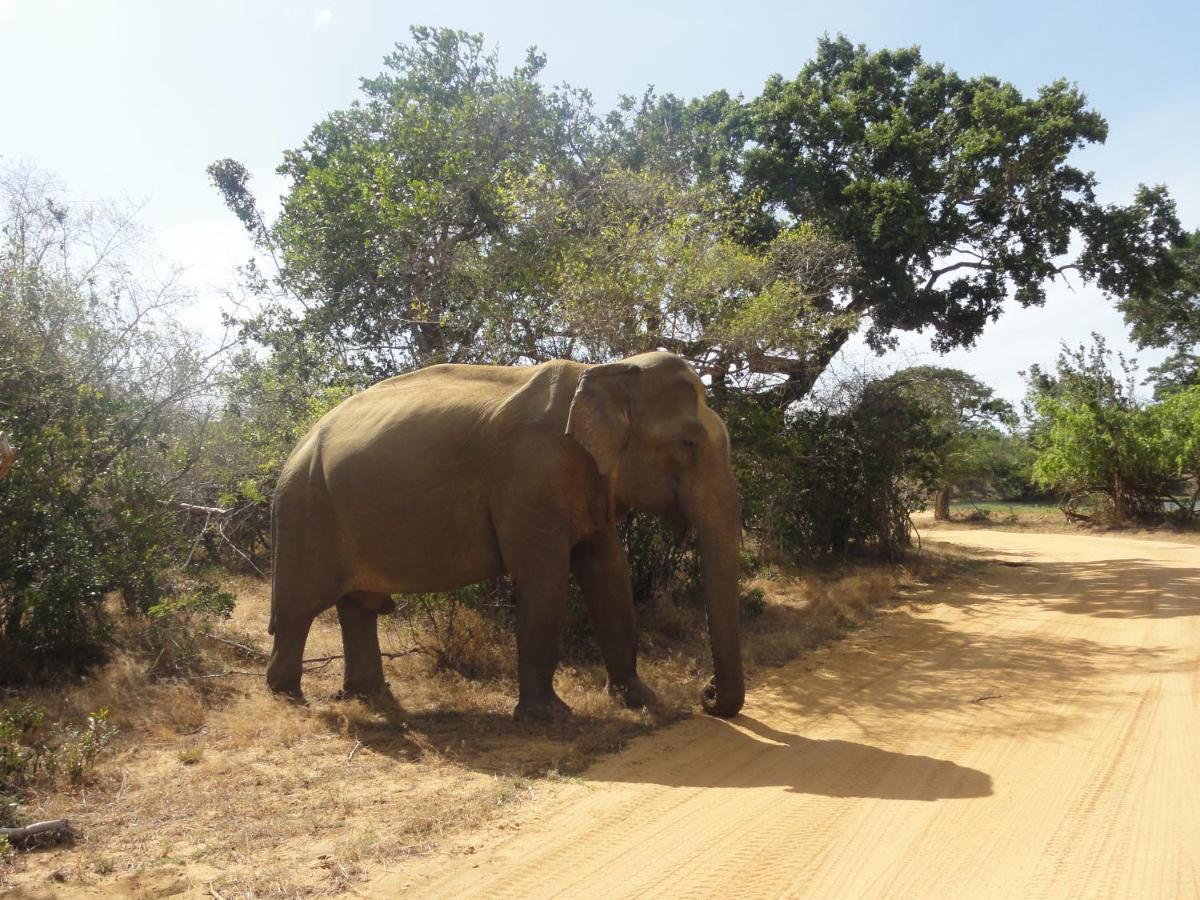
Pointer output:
397, 218
460, 213
955, 193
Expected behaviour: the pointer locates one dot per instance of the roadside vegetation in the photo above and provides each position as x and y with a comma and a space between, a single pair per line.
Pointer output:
462, 213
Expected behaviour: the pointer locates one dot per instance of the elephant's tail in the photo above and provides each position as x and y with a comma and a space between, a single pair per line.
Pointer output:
274, 567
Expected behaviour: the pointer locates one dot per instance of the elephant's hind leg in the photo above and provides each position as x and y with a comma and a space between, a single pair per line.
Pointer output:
285, 666
358, 614
295, 608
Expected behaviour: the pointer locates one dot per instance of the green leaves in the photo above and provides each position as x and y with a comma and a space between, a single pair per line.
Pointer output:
95, 385
952, 192
461, 213
1093, 438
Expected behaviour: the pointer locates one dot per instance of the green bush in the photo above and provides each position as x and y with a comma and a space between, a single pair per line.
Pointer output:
662, 563
1099, 447
34, 751
99, 393
835, 481
170, 638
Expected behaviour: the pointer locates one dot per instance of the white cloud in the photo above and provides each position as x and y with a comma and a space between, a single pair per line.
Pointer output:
323, 18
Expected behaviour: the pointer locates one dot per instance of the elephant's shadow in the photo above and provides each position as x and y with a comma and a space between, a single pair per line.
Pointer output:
480, 740
739, 753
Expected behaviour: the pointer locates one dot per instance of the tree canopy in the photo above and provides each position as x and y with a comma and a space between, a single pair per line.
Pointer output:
457, 212
1170, 317
967, 444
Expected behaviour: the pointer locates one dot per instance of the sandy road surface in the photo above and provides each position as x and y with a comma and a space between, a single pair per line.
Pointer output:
1030, 732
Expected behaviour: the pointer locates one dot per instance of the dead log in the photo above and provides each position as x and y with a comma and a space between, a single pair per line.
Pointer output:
59, 827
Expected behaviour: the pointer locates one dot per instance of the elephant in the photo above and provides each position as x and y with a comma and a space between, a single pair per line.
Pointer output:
453, 474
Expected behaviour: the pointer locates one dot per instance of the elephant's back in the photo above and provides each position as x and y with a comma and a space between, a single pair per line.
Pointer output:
433, 426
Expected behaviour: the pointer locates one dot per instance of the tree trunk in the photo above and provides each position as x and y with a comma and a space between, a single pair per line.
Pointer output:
941, 504
801, 374
8, 454
1120, 508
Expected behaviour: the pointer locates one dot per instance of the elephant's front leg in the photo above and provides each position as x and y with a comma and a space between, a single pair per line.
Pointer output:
540, 574
602, 570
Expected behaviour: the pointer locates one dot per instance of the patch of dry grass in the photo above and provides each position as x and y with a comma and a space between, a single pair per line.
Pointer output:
1045, 519
216, 781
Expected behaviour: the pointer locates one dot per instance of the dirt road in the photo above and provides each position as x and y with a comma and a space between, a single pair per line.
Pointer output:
1033, 731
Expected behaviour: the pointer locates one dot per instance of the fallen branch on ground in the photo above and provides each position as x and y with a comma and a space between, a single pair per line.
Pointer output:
384, 655
253, 652
208, 510
54, 826
323, 660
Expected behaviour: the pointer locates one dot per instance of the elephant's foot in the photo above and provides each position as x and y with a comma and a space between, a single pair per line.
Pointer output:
284, 685
541, 709
635, 693
369, 691
289, 692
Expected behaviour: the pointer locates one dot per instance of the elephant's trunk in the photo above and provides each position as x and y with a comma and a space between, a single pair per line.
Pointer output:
719, 538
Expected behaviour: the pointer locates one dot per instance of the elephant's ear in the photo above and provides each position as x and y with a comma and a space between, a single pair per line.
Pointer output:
600, 411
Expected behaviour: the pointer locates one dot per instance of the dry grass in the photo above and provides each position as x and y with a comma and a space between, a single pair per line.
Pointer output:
1044, 519
213, 782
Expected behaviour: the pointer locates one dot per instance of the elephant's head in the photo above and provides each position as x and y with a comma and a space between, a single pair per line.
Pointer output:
662, 450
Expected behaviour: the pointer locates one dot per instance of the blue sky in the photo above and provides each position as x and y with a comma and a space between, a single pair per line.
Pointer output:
133, 99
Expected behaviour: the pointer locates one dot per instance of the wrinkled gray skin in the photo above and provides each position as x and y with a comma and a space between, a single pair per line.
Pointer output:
455, 474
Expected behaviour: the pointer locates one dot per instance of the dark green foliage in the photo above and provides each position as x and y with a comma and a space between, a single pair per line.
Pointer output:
81, 513
753, 603
1175, 373
953, 192
1169, 316
817, 483
661, 561
972, 448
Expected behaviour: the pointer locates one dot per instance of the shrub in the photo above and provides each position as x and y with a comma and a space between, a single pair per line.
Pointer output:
170, 636
463, 631
33, 751
1097, 444
834, 481
96, 383
662, 563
